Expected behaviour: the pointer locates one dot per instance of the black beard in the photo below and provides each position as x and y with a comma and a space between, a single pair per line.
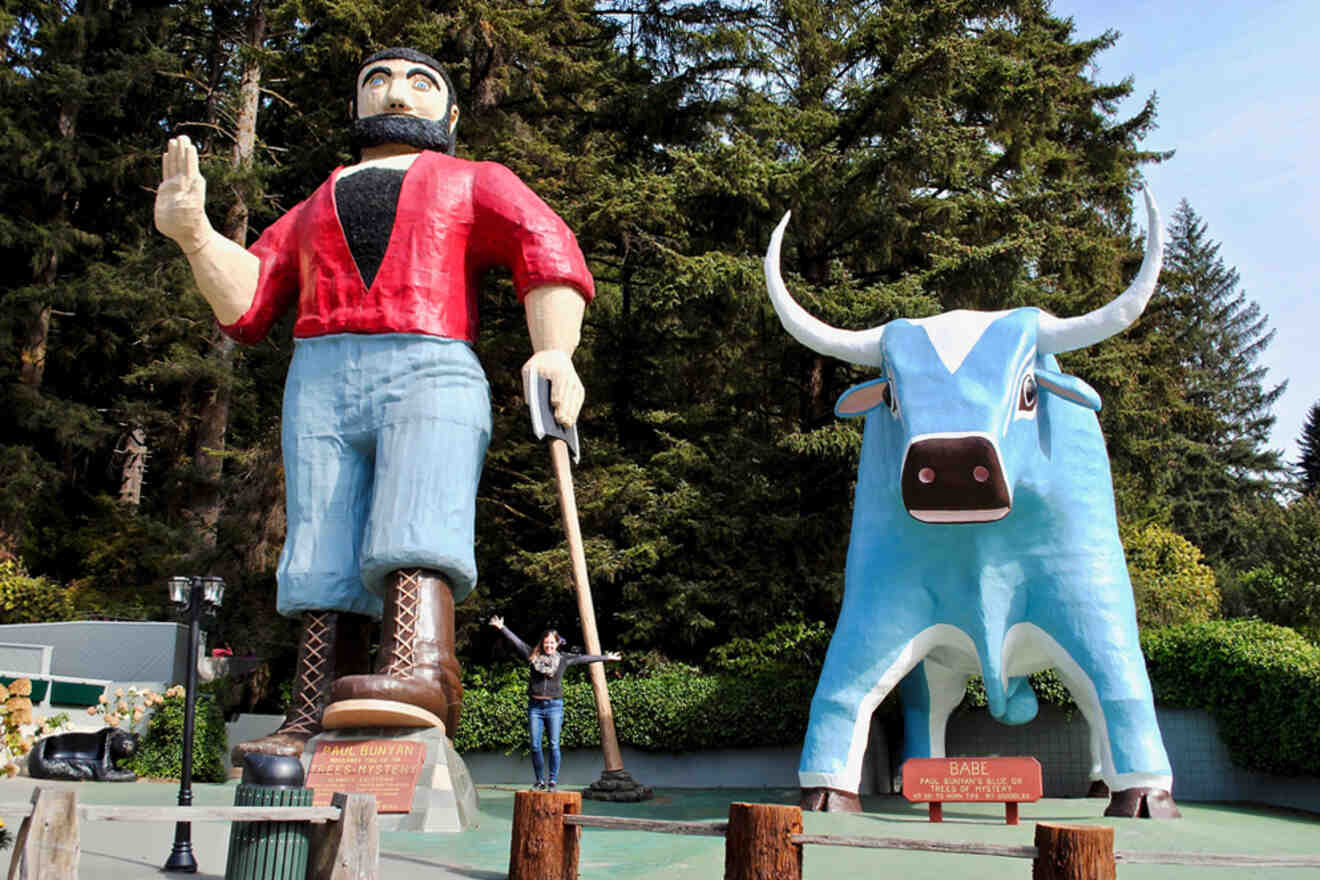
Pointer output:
395, 128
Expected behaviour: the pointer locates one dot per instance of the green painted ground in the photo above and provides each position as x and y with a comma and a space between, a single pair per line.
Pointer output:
484, 853
122, 850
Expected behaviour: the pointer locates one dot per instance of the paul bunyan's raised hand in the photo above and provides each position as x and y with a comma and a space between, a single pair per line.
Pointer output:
225, 273
181, 197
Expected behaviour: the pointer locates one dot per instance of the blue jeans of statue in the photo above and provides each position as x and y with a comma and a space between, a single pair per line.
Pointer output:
547, 716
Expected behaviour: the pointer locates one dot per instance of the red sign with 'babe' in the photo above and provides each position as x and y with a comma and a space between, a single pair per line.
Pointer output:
936, 780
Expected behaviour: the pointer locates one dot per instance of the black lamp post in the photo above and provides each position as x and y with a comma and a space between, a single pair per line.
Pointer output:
191, 593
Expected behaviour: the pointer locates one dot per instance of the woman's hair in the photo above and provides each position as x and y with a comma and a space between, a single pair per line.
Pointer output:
536, 649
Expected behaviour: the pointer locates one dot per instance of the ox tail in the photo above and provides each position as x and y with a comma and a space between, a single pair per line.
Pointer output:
1011, 704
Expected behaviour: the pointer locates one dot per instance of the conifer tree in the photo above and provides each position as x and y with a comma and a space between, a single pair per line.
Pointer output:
1223, 424
934, 157
1309, 443
78, 94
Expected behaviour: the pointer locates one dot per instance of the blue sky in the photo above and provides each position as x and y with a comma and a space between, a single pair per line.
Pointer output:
1239, 100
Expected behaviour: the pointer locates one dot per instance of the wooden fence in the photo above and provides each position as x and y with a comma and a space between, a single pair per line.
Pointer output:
766, 840
761, 840
344, 840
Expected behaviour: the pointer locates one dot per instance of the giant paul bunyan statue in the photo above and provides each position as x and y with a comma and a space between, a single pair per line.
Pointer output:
984, 540
386, 408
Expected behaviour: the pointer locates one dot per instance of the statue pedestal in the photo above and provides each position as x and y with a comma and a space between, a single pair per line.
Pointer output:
444, 799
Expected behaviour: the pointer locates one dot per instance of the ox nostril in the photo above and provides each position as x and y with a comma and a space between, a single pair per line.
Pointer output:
926, 475
980, 474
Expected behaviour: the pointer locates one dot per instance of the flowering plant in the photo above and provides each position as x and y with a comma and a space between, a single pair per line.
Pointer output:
128, 706
15, 714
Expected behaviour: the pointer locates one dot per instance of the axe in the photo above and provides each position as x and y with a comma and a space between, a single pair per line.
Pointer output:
536, 388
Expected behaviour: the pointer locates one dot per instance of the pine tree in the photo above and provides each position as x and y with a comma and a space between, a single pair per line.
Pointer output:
1223, 427
78, 94
922, 150
934, 158
1309, 443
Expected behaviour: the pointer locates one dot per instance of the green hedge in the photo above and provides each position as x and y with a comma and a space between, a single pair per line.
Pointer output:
1259, 681
673, 710
27, 599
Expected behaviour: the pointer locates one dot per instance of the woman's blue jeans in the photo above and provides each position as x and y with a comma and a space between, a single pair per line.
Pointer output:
548, 716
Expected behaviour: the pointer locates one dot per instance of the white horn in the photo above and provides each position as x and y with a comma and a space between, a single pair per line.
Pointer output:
854, 346
1057, 335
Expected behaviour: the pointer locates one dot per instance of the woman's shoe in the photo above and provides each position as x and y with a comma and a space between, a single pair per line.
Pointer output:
540, 786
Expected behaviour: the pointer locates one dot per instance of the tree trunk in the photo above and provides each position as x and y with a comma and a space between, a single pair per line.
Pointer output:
32, 368
135, 465
542, 846
758, 844
1073, 852
213, 422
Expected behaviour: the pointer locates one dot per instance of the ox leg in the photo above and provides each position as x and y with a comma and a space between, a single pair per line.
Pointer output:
930, 693
856, 677
1109, 682
853, 681
1097, 789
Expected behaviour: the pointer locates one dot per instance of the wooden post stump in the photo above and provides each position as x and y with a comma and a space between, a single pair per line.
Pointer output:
47, 845
1073, 852
350, 848
543, 847
758, 845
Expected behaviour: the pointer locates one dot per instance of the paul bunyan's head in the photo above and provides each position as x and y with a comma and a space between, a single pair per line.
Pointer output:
403, 96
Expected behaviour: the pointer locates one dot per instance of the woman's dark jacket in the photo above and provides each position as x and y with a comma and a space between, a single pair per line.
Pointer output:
541, 684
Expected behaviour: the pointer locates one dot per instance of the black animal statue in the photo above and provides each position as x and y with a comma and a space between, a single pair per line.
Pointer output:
80, 756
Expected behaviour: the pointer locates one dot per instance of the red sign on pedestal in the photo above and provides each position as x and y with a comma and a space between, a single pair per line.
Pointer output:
937, 780
387, 768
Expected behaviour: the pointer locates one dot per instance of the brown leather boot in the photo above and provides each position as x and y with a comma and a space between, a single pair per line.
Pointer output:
416, 664
311, 691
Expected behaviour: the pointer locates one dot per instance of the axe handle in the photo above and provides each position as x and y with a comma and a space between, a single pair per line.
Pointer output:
559, 457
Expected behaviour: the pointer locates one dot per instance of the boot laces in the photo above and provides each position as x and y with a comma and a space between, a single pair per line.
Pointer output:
315, 667
407, 597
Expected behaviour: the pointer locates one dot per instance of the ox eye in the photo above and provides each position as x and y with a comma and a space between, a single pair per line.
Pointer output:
1027, 396
890, 397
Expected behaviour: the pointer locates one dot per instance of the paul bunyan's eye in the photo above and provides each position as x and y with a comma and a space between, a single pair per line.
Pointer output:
421, 84
376, 81
1027, 397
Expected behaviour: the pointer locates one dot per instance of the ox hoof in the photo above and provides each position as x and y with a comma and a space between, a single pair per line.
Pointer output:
830, 800
1098, 789
1142, 803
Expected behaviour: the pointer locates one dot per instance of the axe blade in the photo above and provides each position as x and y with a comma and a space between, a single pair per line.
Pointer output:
537, 392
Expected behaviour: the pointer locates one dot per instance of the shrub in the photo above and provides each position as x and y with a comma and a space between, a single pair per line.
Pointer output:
793, 649
1170, 583
1287, 599
27, 599
1261, 683
160, 753
672, 710
1048, 686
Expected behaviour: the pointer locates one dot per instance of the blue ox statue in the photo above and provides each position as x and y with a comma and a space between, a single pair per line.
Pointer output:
984, 540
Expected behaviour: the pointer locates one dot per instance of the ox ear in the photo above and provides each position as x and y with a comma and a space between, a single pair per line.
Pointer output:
861, 399
1070, 388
